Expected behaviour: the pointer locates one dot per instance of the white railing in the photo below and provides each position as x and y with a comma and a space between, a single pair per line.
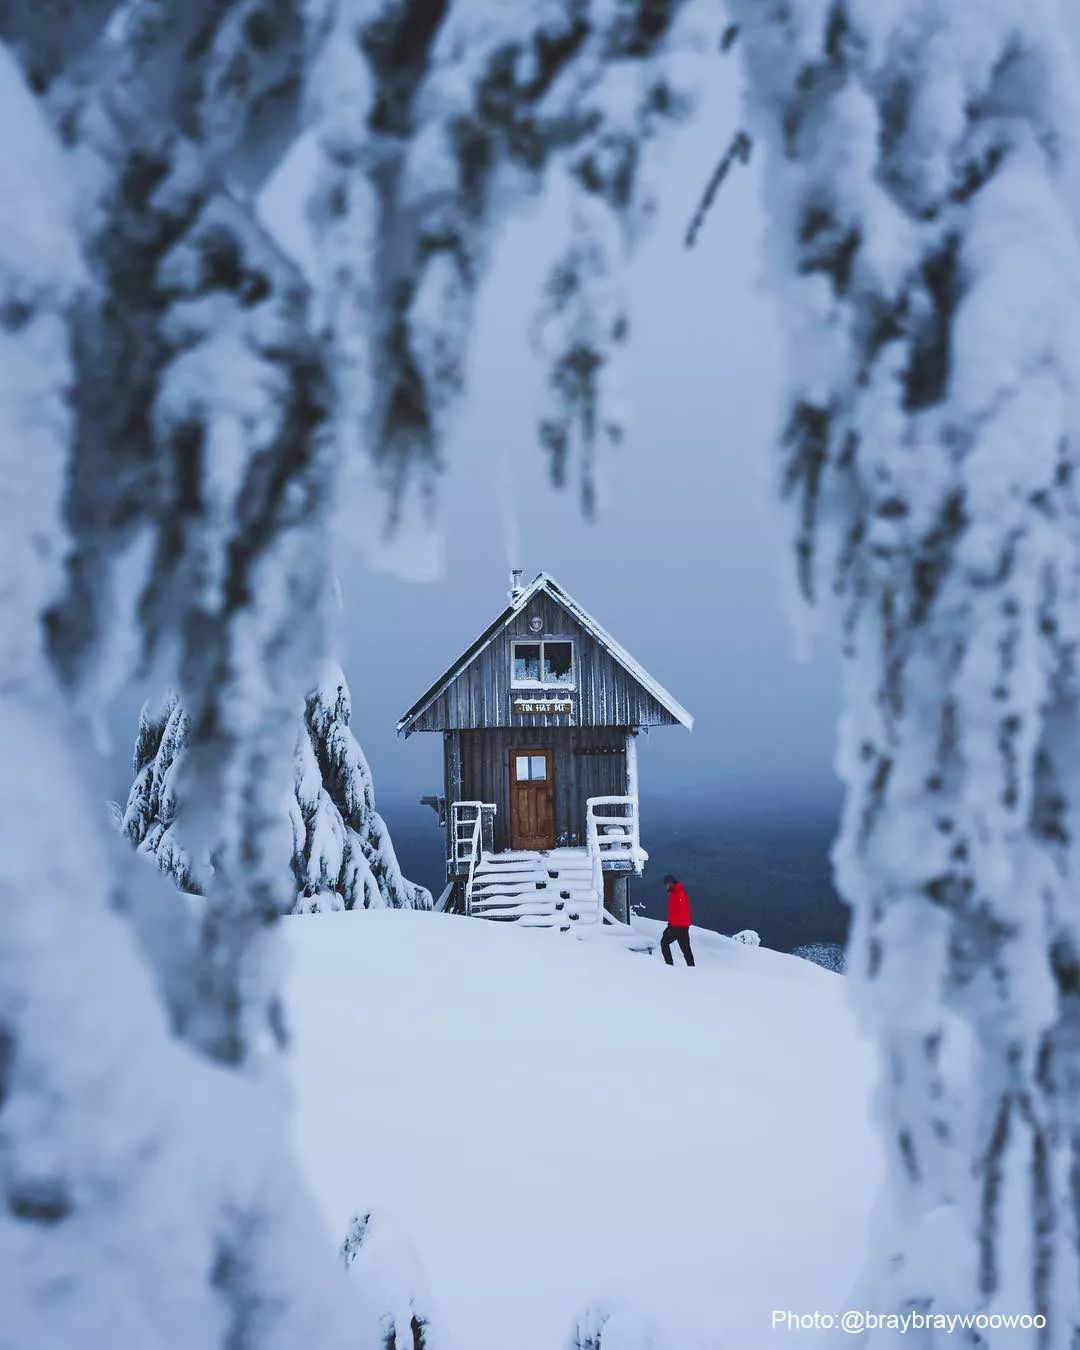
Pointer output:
614, 825
467, 821
597, 865
614, 834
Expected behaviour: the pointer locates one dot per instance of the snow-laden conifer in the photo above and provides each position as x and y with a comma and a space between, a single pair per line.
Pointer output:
392, 1290
921, 176
355, 855
422, 161
147, 1198
588, 1328
342, 853
598, 1327
346, 848
149, 819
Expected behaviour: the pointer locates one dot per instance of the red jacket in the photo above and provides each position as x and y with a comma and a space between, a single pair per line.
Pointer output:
678, 906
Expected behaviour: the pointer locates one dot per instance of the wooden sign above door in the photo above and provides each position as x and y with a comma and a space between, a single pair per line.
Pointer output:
543, 705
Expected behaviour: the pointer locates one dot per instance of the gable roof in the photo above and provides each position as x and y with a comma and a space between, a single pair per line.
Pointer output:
548, 584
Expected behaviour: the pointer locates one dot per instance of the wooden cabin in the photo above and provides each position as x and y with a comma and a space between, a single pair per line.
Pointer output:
540, 718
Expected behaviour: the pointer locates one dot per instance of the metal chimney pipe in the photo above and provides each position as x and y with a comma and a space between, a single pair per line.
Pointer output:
516, 588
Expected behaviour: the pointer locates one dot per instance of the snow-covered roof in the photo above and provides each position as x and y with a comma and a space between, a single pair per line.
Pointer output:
547, 583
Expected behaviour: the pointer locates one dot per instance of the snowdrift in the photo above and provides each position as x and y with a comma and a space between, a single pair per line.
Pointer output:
555, 1124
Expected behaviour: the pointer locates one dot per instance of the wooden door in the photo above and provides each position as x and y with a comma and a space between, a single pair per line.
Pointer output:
532, 799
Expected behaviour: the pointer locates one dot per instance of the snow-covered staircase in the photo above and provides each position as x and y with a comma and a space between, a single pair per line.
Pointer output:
550, 889
539, 890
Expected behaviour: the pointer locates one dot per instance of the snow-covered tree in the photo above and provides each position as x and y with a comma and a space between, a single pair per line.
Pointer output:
922, 171
145, 1200
392, 1290
430, 123
588, 1329
341, 844
342, 854
149, 819
599, 1328
176, 398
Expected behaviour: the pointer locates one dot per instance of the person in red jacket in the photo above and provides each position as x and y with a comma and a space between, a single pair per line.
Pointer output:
678, 921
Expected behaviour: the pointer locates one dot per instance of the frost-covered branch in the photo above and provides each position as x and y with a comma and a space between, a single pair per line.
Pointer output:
393, 1294
147, 1195
183, 399
429, 133
342, 856
739, 149
921, 170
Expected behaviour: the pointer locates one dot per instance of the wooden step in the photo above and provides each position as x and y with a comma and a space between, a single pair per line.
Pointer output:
516, 912
503, 903
576, 913
510, 874
530, 879
482, 903
533, 898
549, 899
539, 884
522, 879
520, 887
511, 869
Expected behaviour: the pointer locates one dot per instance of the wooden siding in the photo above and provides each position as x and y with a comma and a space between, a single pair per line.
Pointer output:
451, 783
605, 693
589, 762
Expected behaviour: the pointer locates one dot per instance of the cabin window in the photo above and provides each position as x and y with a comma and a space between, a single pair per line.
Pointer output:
558, 662
543, 664
526, 662
530, 768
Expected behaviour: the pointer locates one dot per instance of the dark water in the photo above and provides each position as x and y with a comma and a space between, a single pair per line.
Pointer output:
767, 874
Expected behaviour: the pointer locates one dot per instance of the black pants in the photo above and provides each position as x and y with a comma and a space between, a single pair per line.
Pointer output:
682, 937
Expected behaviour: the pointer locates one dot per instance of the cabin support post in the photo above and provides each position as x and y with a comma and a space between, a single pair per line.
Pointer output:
452, 756
632, 793
617, 895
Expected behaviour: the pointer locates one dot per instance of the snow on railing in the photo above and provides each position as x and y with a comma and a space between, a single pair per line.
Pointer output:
467, 821
594, 857
617, 835
612, 836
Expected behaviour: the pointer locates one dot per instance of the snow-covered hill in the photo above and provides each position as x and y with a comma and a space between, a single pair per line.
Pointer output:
555, 1123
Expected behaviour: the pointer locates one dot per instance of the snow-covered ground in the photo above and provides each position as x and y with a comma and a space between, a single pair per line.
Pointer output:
555, 1123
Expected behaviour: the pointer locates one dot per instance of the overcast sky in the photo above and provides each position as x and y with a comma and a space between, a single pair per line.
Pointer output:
684, 566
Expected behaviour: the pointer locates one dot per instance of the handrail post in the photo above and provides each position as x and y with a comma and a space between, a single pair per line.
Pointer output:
624, 845
632, 795
597, 864
466, 814
635, 831
475, 852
